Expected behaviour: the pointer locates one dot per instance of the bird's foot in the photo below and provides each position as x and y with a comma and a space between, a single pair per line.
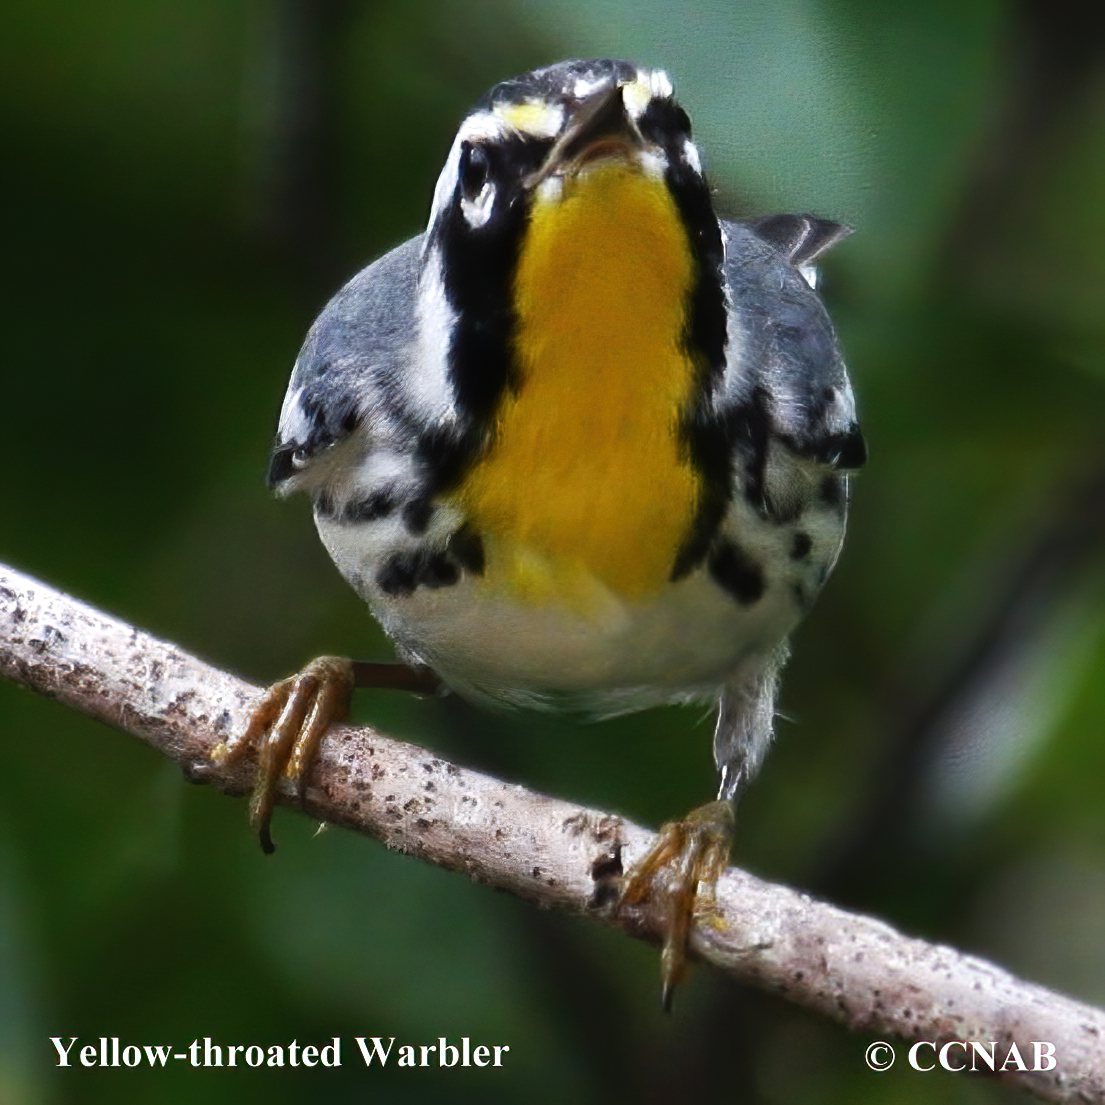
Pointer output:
291, 718
285, 729
675, 883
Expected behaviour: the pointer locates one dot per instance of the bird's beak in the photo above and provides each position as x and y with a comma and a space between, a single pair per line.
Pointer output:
600, 127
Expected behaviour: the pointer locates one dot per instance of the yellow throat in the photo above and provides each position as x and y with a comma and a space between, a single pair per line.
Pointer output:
585, 482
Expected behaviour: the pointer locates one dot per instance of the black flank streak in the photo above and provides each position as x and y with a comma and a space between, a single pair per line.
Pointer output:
750, 425
378, 504
819, 404
800, 549
710, 442
417, 515
403, 573
440, 571
399, 574
466, 547
737, 572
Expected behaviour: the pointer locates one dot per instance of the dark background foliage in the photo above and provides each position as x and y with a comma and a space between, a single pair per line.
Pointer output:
184, 185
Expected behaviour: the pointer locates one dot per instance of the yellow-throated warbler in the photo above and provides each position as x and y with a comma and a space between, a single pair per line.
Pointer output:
580, 446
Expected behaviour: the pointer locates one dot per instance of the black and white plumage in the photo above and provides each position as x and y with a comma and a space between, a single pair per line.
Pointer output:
397, 397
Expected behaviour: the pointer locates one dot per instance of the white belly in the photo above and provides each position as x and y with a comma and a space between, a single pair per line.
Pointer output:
610, 655
683, 644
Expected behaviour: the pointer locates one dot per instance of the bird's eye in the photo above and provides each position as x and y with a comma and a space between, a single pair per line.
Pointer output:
475, 168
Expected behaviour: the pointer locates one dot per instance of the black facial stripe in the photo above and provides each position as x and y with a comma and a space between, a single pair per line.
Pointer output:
666, 124
477, 283
478, 266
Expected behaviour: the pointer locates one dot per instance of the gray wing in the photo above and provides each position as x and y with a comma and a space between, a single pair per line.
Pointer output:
785, 375
788, 413
343, 385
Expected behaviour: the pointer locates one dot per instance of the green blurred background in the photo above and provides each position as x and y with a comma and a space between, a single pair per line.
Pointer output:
186, 183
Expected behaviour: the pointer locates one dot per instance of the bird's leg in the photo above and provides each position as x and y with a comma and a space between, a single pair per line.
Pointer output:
291, 718
676, 882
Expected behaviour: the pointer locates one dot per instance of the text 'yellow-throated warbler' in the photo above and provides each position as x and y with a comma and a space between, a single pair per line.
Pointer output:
580, 446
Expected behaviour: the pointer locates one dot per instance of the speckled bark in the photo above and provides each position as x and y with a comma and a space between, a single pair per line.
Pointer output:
852, 968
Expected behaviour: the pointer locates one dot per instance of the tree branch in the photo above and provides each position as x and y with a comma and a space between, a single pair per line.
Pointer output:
851, 968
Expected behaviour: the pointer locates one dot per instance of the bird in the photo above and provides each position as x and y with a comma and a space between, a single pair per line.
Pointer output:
581, 446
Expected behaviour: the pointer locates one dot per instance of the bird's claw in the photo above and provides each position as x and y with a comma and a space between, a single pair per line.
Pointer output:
676, 882
285, 730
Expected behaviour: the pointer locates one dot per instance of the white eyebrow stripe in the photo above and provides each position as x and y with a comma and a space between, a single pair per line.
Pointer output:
482, 126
